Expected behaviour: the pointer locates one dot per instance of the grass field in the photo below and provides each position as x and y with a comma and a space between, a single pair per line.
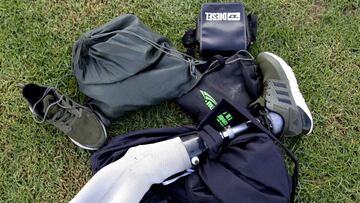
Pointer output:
320, 39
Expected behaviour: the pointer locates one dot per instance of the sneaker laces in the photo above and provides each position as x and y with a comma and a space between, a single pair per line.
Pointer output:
264, 113
66, 110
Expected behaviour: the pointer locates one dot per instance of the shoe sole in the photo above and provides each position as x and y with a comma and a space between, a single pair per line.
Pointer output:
298, 98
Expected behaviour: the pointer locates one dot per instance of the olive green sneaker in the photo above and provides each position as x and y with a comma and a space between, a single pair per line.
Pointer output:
79, 123
282, 95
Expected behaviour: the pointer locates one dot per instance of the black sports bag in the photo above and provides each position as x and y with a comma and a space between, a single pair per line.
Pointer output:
222, 28
235, 78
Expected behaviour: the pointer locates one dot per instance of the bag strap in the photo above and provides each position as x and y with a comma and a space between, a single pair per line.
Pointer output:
252, 20
294, 178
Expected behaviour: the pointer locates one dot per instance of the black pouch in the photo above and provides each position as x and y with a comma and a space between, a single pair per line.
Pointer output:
235, 78
222, 28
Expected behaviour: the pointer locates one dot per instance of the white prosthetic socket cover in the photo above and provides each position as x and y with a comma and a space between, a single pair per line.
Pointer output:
128, 179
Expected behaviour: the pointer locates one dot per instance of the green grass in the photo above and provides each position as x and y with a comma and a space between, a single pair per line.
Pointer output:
320, 39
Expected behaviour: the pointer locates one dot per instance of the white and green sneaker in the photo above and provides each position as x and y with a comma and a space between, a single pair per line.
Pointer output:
282, 95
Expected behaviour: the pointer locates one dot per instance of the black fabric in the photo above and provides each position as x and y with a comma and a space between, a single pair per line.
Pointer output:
189, 42
212, 139
233, 78
294, 177
250, 168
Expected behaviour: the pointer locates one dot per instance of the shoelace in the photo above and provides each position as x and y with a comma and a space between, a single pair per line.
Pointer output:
66, 113
62, 117
264, 113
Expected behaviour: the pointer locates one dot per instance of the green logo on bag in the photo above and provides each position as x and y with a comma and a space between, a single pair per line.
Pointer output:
209, 100
224, 118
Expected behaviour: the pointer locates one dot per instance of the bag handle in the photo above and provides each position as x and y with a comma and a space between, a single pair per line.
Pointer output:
252, 21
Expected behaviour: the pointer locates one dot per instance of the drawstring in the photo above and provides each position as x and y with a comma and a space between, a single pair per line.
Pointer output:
174, 53
250, 57
190, 60
192, 68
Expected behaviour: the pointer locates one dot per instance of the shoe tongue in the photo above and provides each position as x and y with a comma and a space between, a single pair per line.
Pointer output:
47, 101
